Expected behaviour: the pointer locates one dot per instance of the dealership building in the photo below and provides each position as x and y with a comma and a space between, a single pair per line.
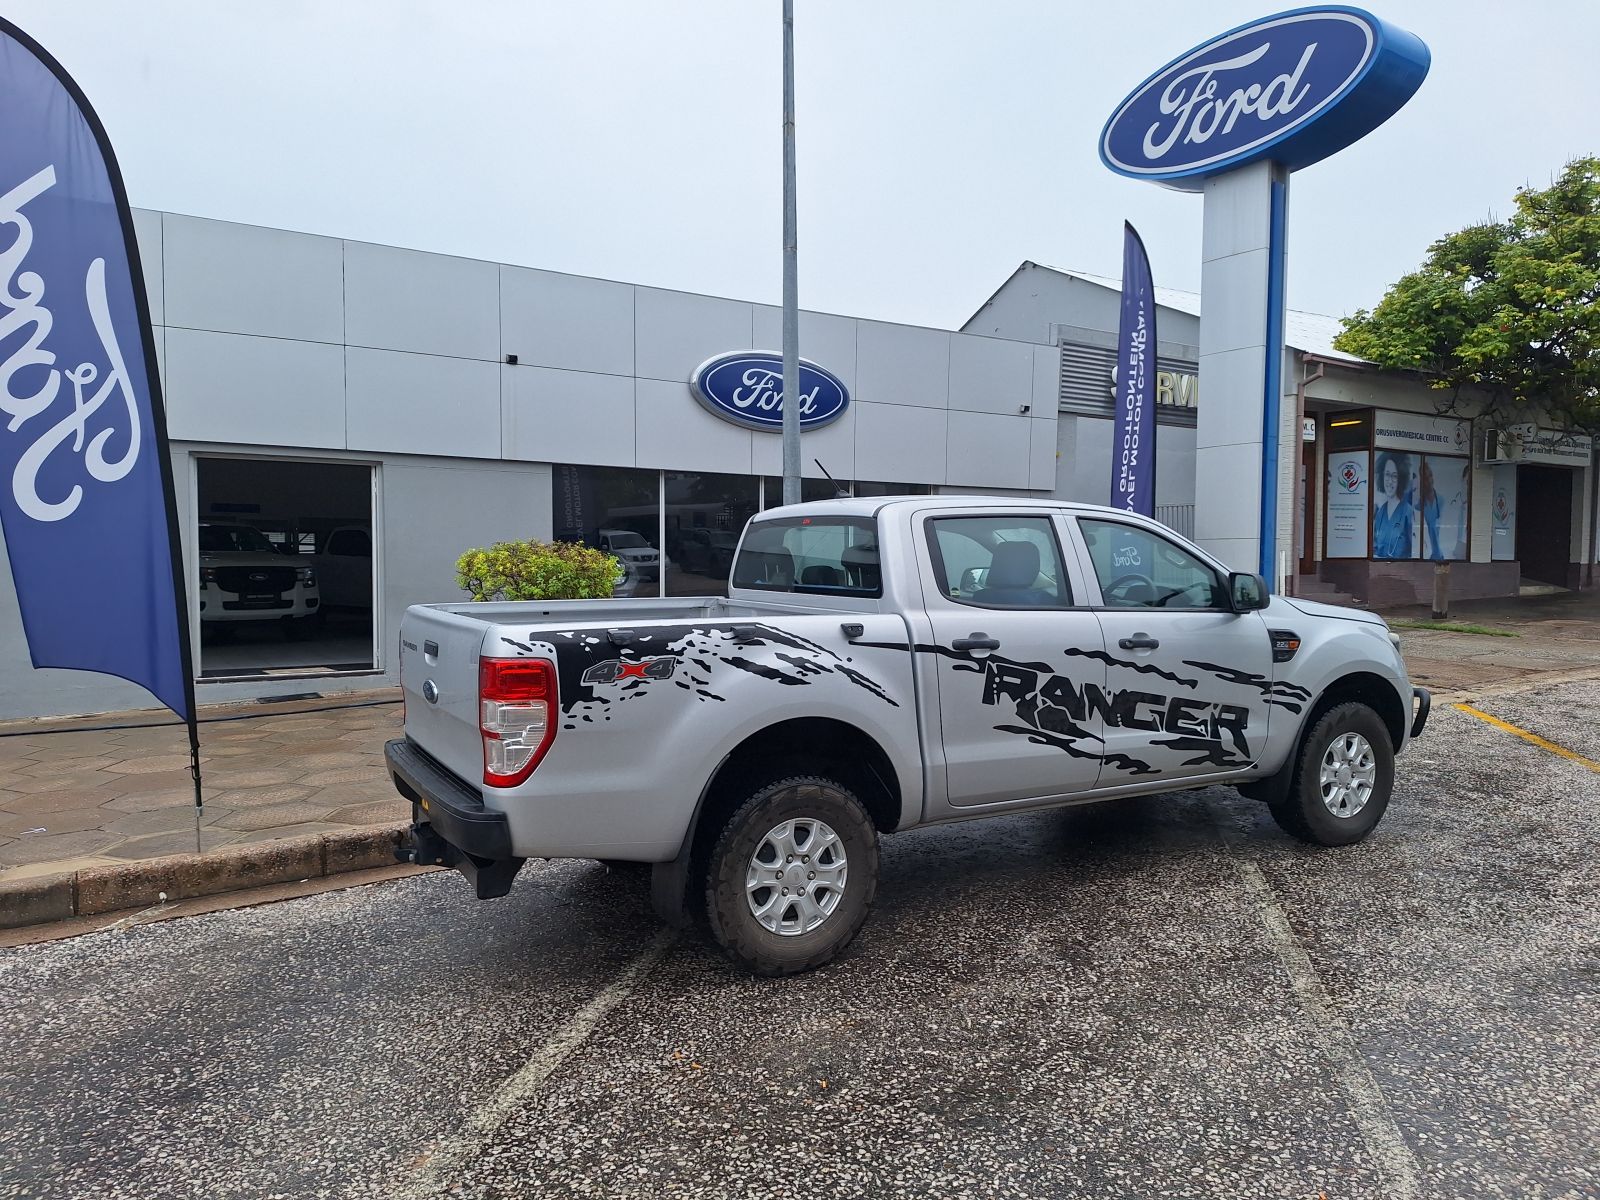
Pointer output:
1376, 484
381, 410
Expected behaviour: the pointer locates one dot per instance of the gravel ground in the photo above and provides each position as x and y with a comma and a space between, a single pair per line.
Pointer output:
1156, 998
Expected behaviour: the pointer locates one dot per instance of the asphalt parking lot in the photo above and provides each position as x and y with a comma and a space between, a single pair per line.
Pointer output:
1156, 998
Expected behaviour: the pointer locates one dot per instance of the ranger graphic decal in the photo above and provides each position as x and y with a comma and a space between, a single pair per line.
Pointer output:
1052, 707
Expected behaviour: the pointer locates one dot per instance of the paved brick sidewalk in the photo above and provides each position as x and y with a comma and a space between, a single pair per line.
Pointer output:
1554, 633
80, 798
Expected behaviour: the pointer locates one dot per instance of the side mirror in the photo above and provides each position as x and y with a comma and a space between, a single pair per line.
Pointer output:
1247, 592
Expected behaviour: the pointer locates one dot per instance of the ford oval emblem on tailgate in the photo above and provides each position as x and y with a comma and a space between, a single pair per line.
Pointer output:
430, 691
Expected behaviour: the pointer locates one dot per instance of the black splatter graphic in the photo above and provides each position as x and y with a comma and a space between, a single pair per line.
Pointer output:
1142, 667
1290, 696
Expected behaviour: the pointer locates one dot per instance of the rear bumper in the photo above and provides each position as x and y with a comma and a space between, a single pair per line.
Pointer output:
450, 825
1421, 702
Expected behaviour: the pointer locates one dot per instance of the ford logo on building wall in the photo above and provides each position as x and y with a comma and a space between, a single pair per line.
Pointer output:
746, 387
1293, 88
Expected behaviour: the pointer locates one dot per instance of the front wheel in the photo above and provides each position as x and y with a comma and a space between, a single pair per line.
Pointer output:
1342, 780
792, 876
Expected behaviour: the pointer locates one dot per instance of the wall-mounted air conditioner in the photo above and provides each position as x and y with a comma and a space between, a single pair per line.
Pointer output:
1500, 446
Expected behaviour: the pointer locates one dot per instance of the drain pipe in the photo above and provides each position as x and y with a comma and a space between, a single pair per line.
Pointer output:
1306, 381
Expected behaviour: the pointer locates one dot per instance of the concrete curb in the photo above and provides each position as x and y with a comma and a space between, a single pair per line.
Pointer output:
154, 881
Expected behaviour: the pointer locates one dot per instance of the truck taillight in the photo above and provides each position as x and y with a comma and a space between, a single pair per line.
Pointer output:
517, 716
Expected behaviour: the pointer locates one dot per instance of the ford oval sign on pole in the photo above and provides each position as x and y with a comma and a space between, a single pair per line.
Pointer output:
746, 387
1293, 88
1232, 118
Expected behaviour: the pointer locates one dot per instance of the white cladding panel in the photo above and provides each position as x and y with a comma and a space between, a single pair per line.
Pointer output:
246, 279
834, 444
434, 511
258, 391
675, 332
423, 303
1042, 454
990, 375
826, 340
988, 450
899, 364
897, 443
1046, 380
673, 433
422, 404
566, 416
147, 233
567, 321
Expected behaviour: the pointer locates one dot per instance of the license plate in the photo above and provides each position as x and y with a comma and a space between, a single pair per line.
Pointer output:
256, 599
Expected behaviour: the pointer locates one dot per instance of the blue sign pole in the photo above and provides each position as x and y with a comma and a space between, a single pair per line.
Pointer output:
86, 496
1133, 440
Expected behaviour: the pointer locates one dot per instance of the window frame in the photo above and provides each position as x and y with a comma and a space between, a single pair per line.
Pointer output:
1092, 575
940, 576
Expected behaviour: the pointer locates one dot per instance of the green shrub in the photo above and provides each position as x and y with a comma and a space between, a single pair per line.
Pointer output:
537, 571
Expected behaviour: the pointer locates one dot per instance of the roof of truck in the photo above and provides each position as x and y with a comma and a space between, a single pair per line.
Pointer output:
868, 506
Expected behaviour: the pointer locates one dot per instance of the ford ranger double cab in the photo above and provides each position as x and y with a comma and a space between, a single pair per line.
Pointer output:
879, 665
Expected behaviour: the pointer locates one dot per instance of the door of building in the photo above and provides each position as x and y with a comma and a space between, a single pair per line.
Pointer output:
1544, 523
1308, 508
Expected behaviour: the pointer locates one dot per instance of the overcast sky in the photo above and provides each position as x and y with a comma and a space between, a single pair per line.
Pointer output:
940, 143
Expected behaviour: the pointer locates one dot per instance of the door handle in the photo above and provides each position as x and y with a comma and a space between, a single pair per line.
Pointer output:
1139, 641
977, 641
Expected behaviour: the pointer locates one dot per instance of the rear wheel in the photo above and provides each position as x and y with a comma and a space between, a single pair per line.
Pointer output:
1342, 779
792, 875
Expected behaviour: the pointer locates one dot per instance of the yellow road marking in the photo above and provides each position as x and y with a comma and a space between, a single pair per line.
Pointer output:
1531, 737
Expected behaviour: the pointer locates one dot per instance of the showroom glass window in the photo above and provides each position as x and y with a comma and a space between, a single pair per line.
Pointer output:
705, 515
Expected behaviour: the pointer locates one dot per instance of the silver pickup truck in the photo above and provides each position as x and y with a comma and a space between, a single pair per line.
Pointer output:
880, 665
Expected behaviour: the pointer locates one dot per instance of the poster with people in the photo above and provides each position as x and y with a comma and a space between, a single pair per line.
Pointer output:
1395, 481
1442, 507
1503, 514
1347, 505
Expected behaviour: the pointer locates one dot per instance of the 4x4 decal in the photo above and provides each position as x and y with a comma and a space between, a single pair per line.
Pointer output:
614, 670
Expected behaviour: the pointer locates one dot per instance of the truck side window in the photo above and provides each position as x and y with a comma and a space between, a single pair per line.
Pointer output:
999, 562
1140, 569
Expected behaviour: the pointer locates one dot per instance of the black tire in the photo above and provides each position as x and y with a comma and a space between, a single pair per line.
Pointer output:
766, 951
1303, 814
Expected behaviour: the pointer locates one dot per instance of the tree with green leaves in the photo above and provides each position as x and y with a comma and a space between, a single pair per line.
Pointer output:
1504, 315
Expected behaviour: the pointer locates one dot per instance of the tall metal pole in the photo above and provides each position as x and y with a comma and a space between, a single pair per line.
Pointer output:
791, 286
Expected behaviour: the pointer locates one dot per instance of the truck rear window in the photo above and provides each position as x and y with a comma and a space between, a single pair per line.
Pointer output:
830, 556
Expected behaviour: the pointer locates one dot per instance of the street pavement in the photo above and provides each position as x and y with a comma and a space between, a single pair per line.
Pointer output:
1163, 997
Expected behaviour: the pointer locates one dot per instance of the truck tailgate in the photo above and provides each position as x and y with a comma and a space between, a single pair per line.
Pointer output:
439, 652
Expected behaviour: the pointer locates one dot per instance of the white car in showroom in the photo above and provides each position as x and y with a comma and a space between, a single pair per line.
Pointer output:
641, 560
243, 579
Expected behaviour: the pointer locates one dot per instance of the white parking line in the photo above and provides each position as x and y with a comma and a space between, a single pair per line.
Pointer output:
1333, 1038
481, 1127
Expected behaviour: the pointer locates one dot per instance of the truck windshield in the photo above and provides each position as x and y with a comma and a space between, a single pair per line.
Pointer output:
233, 539
835, 556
